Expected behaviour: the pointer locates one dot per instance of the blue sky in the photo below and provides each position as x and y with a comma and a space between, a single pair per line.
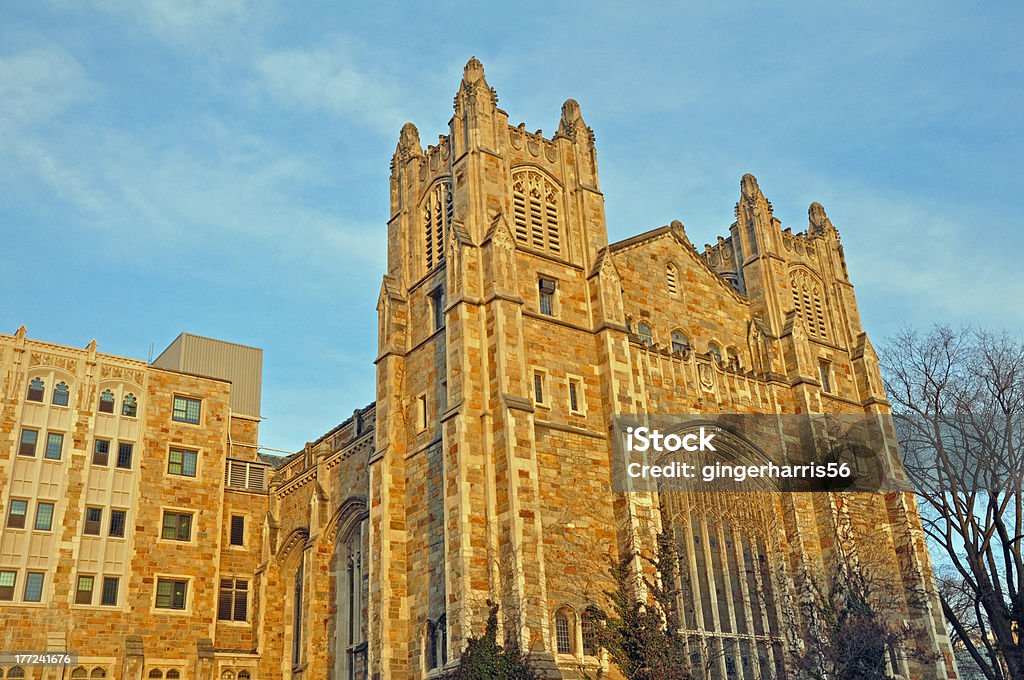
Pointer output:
221, 167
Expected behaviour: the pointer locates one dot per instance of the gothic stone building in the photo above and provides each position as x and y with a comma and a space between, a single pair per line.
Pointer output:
510, 334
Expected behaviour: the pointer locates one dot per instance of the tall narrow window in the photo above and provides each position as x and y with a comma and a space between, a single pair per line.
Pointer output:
825, 370
118, 520
437, 308
538, 387
107, 402
61, 394
672, 278
535, 211
28, 442
588, 627
547, 296
237, 529
54, 446
130, 406
563, 631
442, 629
421, 412
437, 215
124, 455
574, 395
716, 353
431, 645
297, 618
35, 390
44, 516
108, 597
34, 586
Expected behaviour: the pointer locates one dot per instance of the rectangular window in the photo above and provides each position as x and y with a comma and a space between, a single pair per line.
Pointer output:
182, 462
54, 446
825, 369
83, 595
109, 595
171, 593
538, 387
437, 308
574, 395
237, 530
28, 442
177, 526
117, 523
44, 516
547, 296
233, 602
101, 452
16, 515
124, 456
34, 586
93, 519
186, 410
7, 579
421, 412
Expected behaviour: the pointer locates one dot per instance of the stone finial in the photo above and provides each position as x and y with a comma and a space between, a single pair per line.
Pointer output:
818, 219
572, 122
474, 71
749, 188
409, 138
20, 333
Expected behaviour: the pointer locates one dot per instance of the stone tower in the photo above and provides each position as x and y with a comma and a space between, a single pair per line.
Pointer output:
510, 334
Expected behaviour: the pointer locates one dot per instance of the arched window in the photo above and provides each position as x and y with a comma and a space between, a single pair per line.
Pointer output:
431, 645
227, 675
172, 674
16, 672
592, 618
130, 406
102, 673
437, 215
716, 352
107, 402
35, 393
565, 635
243, 675
156, 673
61, 394
807, 302
535, 211
646, 336
680, 342
734, 357
672, 277
351, 630
80, 672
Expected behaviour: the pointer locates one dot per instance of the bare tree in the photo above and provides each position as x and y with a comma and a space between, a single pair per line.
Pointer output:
958, 402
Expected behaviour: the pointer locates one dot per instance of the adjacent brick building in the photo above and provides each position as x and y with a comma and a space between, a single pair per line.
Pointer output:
510, 334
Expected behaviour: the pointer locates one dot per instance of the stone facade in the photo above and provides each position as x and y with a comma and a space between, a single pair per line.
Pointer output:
510, 334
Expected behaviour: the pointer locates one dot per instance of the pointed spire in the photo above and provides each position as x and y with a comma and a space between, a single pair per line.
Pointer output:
749, 188
408, 142
474, 90
20, 333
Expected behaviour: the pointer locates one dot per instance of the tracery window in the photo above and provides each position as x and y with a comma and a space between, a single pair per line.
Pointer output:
807, 301
130, 406
107, 402
438, 210
645, 333
679, 341
672, 277
564, 634
35, 390
61, 394
535, 211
